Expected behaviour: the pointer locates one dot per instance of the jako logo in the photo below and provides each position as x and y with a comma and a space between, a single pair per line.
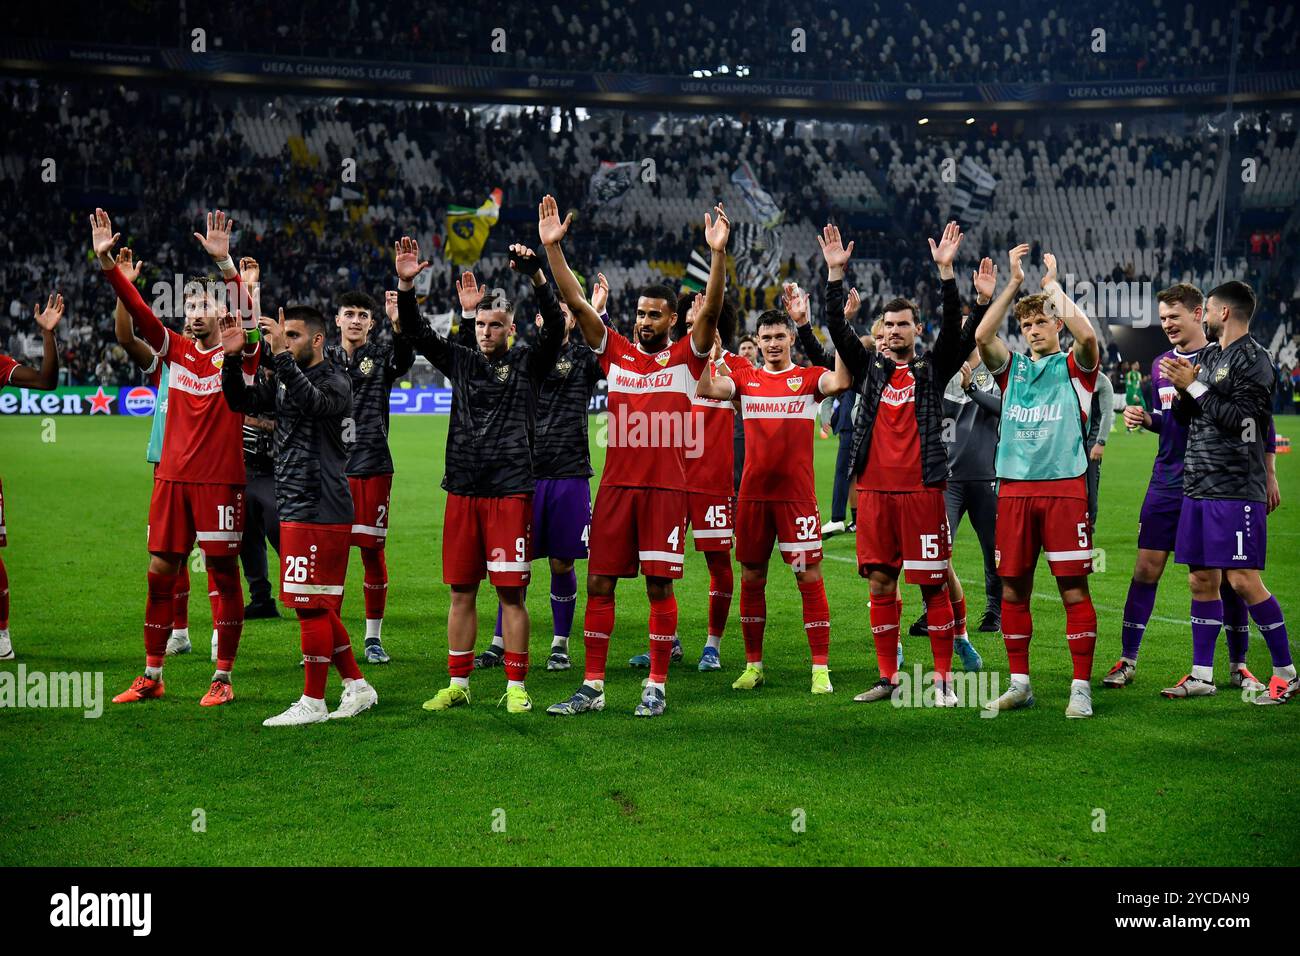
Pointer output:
138, 401
103, 909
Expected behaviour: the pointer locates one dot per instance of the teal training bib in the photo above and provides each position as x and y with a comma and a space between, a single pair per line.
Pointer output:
154, 452
1042, 432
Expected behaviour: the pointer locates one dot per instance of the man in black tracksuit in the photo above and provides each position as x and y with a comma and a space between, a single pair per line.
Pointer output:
311, 399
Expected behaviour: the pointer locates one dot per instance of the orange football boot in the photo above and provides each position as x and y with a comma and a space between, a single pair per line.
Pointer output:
219, 692
142, 688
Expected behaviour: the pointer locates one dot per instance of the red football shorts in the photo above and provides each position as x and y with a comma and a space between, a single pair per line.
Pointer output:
313, 564
488, 537
794, 526
182, 511
904, 529
1059, 526
638, 527
370, 499
711, 520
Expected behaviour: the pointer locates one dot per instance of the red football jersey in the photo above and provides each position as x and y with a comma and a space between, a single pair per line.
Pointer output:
894, 459
203, 440
7, 366
780, 410
711, 472
650, 428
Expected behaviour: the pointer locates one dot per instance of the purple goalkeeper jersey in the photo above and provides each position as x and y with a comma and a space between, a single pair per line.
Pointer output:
1167, 472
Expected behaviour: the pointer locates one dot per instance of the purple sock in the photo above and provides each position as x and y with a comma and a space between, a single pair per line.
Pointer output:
1207, 619
1267, 616
1236, 624
564, 596
496, 635
1137, 612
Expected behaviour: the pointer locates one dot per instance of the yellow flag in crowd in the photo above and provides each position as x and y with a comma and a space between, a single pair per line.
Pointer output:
467, 229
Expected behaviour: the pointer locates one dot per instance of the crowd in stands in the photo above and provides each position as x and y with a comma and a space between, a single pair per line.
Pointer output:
942, 41
320, 189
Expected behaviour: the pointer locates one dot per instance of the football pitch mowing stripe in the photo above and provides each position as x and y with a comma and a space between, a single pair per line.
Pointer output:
776, 776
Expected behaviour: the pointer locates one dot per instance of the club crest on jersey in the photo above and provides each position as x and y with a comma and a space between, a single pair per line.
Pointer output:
662, 358
981, 379
564, 366
219, 359
367, 365
1221, 374
794, 384
502, 372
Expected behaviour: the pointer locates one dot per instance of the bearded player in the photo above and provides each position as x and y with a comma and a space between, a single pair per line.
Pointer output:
199, 486
901, 461
311, 398
639, 521
373, 368
778, 495
1042, 473
1226, 401
44, 379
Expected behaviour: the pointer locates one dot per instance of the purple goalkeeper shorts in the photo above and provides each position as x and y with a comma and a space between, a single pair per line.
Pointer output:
1158, 520
561, 518
1222, 533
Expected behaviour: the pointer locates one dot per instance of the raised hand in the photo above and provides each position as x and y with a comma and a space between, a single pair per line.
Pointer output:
833, 249
852, 306
469, 292
390, 306
1179, 371
600, 293
1016, 256
985, 279
946, 251
273, 331
216, 242
127, 266
48, 319
795, 302
966, 375
693, 310
524, 261
406, 257
103, 238
249, 271
1049, 276
233, 337
550, 230
1135, 417
717, 231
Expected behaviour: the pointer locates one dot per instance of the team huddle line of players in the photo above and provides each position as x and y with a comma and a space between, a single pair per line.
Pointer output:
518, 464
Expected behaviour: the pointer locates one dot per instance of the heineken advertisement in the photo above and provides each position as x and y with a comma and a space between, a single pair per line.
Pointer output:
79, 400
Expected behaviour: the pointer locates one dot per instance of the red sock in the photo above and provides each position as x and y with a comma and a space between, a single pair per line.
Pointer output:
721, 582
597, 626
516, 666
663, 629
753, 618
959, 617
345, 662
1081, 633
886, 612
181, 598
158, 618
4, 596
1017, 629
376, 582
816, 619
317, 645
230, 611
460, 663
214, 598
939, 615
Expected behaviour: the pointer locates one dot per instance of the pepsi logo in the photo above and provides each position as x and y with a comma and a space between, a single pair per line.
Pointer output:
138, 401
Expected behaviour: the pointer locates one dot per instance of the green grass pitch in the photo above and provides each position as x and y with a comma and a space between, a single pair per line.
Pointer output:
773, 777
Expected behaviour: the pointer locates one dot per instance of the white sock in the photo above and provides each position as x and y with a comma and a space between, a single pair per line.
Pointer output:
1020, 680
1203, 673
181, 633
757, 665
962, 637
373, 626
349, 681
498, 644
214, 635
1077, 684
714, 641
316, 703
1288, 672
461, 682
4, 632
596, 685
656, 686
514, 683
820, 667
560, 643
1132, 662
153, 673
221, 675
